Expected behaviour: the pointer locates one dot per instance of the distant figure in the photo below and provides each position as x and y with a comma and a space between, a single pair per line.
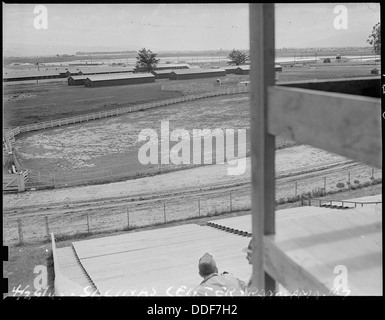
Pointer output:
249, 252
215, 284
250, 290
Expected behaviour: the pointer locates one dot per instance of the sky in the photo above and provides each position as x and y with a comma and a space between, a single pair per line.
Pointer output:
175, 27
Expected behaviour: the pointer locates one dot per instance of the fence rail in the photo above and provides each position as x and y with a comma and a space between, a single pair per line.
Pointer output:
35, 226
341, 202
10, 134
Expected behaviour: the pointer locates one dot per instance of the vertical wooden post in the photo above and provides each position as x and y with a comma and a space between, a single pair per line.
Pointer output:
324, 186
128, 219
296, 187
88, 223
20, 182
262, 56
372, 173
348, 176
20, 231
47, 227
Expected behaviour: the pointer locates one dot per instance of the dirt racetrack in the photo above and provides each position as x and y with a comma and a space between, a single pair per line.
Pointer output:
111, 145
174, 196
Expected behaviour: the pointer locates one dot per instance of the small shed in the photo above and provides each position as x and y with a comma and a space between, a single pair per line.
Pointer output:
375, 71
118, 79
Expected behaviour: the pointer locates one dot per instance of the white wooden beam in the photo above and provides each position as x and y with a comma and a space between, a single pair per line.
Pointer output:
347, 125
262, 53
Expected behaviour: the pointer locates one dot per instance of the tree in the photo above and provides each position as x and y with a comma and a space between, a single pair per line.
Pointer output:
237, 57
375, 38
146, 60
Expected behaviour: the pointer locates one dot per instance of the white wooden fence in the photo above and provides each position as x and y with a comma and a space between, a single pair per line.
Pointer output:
10, 134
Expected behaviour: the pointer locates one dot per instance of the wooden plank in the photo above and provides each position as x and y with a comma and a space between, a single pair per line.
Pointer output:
287, 272
262, 53
106, 245
305, 251
176, 264
347, 125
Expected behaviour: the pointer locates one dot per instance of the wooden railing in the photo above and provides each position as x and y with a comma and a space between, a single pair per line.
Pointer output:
330, 202
10, 134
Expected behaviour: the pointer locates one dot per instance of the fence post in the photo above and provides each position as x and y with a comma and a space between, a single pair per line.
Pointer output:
53, 175
348, 176
88, 223
20, 231
231, 203
296, 187
47, 227
372, 173
164, 211
20, 182
324, 186
128, 219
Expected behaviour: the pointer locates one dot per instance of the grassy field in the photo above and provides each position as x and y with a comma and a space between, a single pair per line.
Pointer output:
326, 71
30, 103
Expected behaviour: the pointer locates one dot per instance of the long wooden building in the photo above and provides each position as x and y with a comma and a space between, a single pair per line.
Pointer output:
162, 74
185, 74
76, 80
243, 70
118, 79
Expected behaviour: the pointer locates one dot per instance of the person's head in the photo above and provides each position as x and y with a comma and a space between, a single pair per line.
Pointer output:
207, 265
249, 252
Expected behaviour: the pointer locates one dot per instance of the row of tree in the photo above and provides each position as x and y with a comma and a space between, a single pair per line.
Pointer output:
146, 60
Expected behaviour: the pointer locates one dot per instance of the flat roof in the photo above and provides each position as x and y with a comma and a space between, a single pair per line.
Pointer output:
29, 73
192, 71
163, 71
105, 69
171, 65
119, 76
159, 261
